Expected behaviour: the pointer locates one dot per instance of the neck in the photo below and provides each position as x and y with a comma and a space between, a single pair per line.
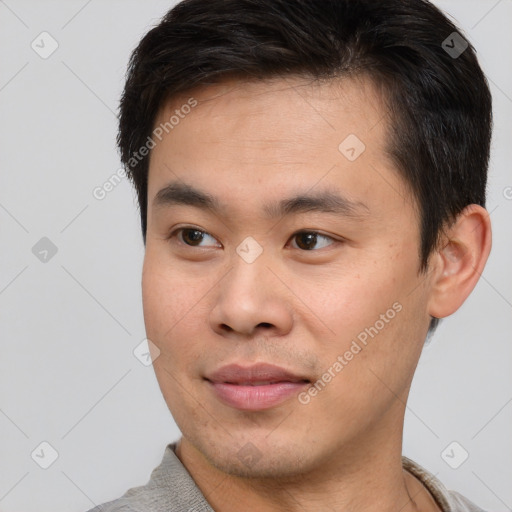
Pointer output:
353, 479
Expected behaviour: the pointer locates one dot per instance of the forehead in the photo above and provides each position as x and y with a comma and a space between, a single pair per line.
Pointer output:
272, 136
334, 104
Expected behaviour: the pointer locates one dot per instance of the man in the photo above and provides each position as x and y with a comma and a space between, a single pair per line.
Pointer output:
311, 177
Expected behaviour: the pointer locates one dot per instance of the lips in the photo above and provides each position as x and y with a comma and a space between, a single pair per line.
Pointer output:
255, 388
256, 375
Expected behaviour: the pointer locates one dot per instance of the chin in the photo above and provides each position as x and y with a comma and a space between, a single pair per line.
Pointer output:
253, 455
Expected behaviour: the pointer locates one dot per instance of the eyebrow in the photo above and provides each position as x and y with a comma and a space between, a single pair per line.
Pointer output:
325, 201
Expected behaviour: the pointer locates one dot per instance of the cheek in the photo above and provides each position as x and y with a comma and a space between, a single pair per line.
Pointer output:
167, 295
351, 302
367, 371
171, 312
390, 336
373, 317
171, 307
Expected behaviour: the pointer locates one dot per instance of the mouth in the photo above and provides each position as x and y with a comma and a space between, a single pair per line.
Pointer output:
263, 383
255, 388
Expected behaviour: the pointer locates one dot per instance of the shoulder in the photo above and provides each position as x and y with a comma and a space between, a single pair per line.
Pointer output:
460, 503
170, 488
447, 500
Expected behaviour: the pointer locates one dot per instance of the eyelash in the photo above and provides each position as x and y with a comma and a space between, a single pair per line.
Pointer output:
176, 232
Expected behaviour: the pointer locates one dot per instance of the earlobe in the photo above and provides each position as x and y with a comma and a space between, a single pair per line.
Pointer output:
460, 260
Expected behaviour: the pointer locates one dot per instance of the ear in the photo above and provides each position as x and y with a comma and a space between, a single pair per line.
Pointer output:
460, 260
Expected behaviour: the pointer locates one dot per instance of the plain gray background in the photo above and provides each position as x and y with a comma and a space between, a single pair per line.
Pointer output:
70, 324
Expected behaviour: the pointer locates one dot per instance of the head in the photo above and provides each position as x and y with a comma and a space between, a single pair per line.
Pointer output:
311, 179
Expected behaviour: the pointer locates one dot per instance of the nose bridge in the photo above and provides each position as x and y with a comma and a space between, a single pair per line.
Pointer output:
249, 265
249, 295
245, 284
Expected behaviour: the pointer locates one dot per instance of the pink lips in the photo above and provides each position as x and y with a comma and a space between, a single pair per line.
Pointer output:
256, 387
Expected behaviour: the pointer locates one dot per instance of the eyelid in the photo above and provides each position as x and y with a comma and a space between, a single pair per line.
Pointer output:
315, 232
175, 232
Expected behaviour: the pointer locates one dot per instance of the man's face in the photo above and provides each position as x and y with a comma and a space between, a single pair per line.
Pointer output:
333, 297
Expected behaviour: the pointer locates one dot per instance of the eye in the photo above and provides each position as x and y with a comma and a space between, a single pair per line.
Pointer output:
193, 237
306, 240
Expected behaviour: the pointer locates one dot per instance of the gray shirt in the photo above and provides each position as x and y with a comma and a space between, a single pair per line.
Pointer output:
171, 488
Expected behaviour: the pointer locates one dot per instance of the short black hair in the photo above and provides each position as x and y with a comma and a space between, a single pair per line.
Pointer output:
437, 95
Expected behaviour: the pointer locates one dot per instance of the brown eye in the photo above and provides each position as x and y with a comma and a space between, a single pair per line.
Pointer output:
307, 240
192, 236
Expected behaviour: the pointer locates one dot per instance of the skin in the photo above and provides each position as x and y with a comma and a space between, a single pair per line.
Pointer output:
248, 143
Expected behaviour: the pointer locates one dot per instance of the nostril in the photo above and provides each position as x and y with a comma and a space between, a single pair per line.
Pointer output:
264, 324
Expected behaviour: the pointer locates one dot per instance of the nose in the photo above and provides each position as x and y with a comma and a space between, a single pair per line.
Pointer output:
251, 300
